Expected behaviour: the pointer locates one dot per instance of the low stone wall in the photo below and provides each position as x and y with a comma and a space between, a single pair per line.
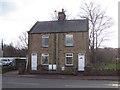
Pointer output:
74, 71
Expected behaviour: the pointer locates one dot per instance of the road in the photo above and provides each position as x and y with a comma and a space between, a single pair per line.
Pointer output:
25, 82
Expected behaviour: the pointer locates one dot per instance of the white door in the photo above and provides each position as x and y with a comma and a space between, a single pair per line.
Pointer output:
34, 61
81, 62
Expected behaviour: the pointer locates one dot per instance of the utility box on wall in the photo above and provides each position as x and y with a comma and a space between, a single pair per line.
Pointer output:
52, 67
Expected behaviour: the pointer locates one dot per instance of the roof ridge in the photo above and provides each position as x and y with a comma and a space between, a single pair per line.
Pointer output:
64, 20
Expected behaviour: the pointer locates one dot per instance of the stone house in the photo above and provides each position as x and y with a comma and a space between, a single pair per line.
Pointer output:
60, 46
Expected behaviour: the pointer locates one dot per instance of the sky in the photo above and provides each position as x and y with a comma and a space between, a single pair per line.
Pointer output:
18, 16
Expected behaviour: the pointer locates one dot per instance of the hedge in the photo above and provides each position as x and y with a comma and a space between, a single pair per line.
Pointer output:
7, 69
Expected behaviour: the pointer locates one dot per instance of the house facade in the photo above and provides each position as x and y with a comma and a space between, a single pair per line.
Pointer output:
58, 46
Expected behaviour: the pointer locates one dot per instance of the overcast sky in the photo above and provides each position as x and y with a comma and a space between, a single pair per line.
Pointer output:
18, 16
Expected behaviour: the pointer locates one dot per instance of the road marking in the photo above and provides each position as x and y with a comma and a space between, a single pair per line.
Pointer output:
84, 86
22, 83
94, 86
116, 85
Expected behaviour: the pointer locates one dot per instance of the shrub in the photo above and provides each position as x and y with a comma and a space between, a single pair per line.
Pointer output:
7, 69
104, 70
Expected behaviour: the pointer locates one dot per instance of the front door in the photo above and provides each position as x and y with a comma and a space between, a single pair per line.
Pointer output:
81, 62
34, 61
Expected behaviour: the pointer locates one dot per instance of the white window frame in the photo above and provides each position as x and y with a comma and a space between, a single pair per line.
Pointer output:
71, 37
66, 55
43, 37
47, 55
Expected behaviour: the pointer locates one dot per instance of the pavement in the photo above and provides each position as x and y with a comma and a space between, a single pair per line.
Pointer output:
58, 76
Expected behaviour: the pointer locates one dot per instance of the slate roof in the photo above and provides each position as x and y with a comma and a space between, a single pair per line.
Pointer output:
60, 26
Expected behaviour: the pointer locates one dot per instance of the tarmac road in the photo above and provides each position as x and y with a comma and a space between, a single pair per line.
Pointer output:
27, 82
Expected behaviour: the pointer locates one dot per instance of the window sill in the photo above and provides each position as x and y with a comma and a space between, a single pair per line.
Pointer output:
69, 65
69, 46
45, 47
45, 64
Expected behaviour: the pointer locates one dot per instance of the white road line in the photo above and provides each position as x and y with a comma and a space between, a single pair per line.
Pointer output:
22, 83
116, 85
94, 86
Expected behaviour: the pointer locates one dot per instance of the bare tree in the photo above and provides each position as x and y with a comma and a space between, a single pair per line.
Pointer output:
22, 42
99, 22
53, 16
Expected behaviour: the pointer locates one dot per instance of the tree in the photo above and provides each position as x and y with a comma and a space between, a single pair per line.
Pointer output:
54, 15
99, 22
22, 42
107, 55
10, 51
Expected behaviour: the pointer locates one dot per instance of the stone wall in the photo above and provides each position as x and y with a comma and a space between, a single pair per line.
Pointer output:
80, 46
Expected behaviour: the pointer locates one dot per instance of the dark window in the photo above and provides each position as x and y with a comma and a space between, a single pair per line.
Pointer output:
45, 59
69, 59
45, 40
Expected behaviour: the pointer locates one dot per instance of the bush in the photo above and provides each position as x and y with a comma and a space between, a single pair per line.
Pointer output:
104, 70
7, 69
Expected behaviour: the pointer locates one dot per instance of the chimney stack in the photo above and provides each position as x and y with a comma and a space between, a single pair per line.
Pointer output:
61, 15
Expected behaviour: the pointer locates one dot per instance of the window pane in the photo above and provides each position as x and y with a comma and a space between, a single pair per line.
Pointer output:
45, 58
69, 40
69, 58
45, 40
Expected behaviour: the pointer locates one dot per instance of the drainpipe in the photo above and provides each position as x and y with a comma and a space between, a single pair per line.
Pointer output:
56, 49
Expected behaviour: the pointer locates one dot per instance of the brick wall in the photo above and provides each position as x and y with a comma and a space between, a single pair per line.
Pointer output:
80, 46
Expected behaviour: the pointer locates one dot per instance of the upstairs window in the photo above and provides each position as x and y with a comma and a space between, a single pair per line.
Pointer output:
69, 59
45, 40
69, 40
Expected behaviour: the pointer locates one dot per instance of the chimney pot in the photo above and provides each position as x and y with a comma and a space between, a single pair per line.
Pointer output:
61, 15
